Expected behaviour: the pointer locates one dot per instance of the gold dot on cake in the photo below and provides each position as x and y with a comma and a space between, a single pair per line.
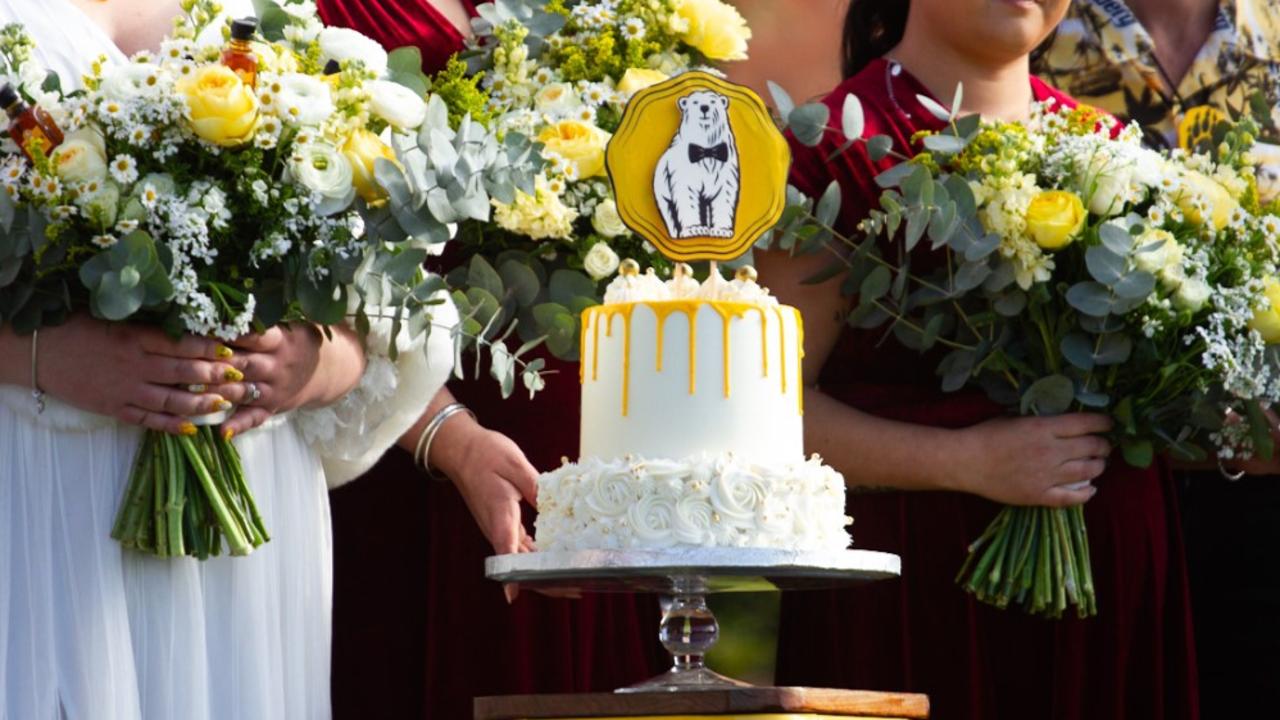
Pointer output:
629, 268
746, 273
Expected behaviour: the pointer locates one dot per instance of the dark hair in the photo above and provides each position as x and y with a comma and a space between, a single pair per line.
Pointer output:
871, 29
874, 27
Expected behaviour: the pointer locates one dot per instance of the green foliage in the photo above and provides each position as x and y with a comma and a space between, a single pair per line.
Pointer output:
462, 93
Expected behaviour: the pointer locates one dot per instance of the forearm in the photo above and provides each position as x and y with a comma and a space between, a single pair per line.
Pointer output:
451, 440
15, 358
341, 364
874, 452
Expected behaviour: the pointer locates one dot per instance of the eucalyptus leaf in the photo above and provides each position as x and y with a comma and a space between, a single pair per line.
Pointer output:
809, 123
567, 284
945, 144
875, 286
852, 120
829, 204
895, 176
982, 248
480, 274
1090, 298
1050, 395
1136, 285
935, 108
1115, 238
781, 100
521, 281
1011, 304
1138, 453
1077, 348
1104, 265
1113, 349
971, 275
878, 147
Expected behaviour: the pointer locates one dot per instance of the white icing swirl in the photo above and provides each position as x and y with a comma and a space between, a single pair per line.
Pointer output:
714, 287
749, 291
683, 287
704, 501
647, 287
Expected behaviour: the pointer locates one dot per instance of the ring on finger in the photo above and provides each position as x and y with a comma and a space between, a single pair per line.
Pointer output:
254, 394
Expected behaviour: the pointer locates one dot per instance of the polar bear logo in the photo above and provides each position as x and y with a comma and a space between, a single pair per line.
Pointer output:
697, 180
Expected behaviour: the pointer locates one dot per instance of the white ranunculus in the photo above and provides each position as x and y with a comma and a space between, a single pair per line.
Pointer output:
304, 99
324, 170
601, 261
606, 220
126, 81
81, 157
401, 107
1164, 261
1192, 294
104, 205
343, 45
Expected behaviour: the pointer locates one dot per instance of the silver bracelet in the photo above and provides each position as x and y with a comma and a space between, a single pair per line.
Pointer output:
1230, 476
428, 435
36, 393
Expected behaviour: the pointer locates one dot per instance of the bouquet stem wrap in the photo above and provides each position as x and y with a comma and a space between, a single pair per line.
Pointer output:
186, 495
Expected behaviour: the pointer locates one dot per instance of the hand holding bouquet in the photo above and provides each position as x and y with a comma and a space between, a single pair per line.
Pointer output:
219, 190
1066, 268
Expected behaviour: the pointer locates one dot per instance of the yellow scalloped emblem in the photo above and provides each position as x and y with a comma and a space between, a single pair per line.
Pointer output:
698, 168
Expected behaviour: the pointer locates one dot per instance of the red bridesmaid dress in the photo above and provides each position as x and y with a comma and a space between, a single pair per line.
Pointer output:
418, 631
922, 633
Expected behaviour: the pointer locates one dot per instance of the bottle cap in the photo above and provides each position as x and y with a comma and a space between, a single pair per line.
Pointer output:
243, 28
8, 95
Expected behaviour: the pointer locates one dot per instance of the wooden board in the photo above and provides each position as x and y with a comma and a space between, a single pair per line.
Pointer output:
737, 701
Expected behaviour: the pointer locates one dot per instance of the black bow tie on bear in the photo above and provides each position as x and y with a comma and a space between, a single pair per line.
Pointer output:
715, 152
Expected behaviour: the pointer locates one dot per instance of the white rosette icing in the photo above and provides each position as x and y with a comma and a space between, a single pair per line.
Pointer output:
749, 291
683, 287
714, 288
703, 501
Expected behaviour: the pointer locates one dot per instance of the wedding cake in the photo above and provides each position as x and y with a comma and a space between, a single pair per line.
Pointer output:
692, 431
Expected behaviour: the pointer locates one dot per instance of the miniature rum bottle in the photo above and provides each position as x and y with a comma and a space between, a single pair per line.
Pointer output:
30, 127
238, 55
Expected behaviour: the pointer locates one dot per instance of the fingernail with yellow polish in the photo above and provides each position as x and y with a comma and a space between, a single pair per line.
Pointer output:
223, 352
221, 405
228, 434
187, 429
233, 375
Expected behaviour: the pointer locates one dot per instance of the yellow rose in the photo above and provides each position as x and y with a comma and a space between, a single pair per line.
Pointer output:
717, 30
362, 150
1198, 185
637, 79
223, 109
578, 142
1055, 218
1266, 320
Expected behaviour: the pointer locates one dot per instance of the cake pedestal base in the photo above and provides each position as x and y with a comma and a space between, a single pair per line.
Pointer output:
685, 577
771, 703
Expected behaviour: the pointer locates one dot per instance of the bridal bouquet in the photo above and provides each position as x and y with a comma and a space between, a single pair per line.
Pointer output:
1072, 269
561, 72
219, 192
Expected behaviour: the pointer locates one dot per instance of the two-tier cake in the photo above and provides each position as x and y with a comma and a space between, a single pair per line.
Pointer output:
692, 435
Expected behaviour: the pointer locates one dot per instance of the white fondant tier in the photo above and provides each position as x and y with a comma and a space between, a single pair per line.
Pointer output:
675, 378
705, 500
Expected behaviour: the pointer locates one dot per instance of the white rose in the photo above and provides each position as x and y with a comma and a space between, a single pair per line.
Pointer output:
1107, 184
344, 45
81, 157
557, 98
694, 520
606, 220
401, 107
304, 99
608, 493
104, 205
652, 519
324, 170
1164, 261
1192, 295
601, 261
126, 81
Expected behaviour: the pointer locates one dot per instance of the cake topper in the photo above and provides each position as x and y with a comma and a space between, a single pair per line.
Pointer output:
698, 167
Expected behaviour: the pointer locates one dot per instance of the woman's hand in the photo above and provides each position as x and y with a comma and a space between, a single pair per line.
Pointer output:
493, 476
1046, 461
137, 375
290, 367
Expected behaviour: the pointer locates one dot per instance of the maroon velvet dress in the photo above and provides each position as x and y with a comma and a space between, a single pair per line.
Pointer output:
418, 631
922, 633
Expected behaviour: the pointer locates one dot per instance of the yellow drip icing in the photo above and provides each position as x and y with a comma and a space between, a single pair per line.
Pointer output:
799, 359
727, 313
582, 348
594, 317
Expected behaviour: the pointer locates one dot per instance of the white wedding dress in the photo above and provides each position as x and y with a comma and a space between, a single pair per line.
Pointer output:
89, 631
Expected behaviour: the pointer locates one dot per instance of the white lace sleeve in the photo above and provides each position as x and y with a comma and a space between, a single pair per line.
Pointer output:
352, 433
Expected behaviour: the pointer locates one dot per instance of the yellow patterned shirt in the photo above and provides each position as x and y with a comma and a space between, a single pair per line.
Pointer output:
1102, 55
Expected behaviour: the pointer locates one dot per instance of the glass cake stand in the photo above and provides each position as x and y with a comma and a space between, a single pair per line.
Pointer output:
685, 577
